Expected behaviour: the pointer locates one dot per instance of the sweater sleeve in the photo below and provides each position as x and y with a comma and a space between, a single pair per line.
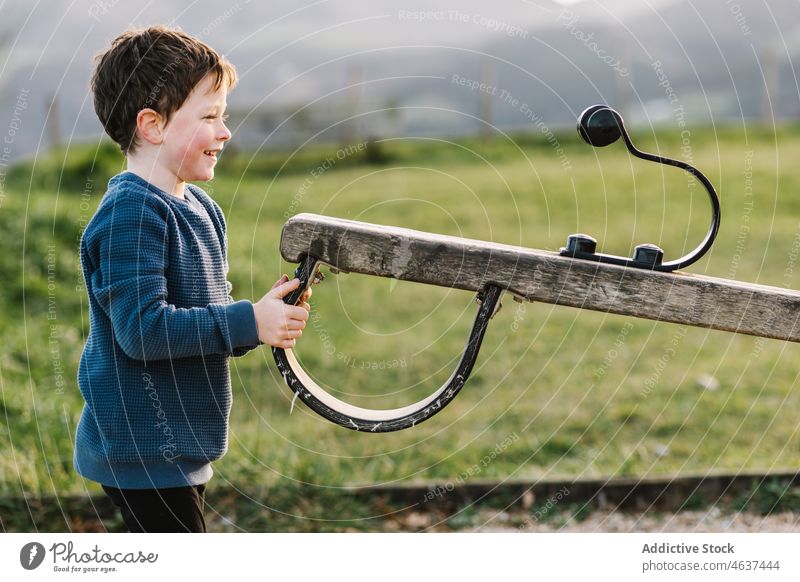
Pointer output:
219, 220
242, 350
131, 287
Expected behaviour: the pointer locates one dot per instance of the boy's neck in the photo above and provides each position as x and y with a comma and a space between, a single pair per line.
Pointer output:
149, 169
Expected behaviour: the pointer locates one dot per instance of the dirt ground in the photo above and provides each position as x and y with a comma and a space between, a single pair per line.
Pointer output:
710, 521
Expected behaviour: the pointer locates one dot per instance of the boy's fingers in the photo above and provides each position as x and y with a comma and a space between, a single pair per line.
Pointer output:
284, 289
295, 324
279, 282
299, 313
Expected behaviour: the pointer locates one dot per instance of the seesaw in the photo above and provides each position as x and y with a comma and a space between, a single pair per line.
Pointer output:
641, 286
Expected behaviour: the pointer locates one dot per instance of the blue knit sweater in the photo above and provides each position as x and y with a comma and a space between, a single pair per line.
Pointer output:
154, 371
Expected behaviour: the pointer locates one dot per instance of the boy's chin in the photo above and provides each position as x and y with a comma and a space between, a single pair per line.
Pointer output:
205, 176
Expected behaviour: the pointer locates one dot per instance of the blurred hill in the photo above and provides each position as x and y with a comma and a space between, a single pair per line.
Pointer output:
390, 68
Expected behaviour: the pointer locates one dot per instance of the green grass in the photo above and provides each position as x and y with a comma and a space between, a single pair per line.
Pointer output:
569, 384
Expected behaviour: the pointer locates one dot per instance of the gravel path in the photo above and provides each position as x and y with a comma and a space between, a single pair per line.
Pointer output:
711, 521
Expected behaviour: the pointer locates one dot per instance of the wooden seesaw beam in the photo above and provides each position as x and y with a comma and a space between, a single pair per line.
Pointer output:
491, 269
547, 277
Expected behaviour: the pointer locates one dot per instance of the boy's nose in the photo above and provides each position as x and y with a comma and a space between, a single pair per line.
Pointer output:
225, 134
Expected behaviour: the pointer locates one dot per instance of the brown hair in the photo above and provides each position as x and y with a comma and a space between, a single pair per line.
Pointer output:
155, 68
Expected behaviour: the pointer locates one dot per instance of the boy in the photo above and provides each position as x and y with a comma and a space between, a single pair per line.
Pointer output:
154, 371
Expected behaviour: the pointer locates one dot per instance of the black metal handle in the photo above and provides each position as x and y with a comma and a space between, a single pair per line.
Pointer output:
357, 418
600, 126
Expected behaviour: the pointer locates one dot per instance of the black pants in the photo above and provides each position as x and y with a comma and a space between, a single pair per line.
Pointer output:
178, 509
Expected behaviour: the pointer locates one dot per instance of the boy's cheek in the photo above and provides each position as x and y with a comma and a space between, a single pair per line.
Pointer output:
196, 143
186, 152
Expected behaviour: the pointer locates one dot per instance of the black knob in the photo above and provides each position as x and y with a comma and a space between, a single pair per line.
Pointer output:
581, 243
648, 254
600, 125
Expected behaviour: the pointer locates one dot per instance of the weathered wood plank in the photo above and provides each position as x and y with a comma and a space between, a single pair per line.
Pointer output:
534, 275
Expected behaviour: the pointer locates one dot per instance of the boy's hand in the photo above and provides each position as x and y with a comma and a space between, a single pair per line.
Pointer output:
279, 325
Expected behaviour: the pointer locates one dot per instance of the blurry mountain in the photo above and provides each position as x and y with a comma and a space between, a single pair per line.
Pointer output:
341, 71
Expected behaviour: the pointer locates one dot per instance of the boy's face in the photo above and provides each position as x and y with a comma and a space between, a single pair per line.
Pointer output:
196, 133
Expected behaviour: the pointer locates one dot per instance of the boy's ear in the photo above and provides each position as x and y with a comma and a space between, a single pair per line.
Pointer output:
150, 126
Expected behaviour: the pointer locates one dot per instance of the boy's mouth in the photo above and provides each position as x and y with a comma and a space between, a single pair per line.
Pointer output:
212, 153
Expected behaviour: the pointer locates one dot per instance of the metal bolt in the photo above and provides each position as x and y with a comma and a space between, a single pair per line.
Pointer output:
581, 243
648, 254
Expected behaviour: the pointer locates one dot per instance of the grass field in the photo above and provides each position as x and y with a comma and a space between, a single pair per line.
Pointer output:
557, 392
